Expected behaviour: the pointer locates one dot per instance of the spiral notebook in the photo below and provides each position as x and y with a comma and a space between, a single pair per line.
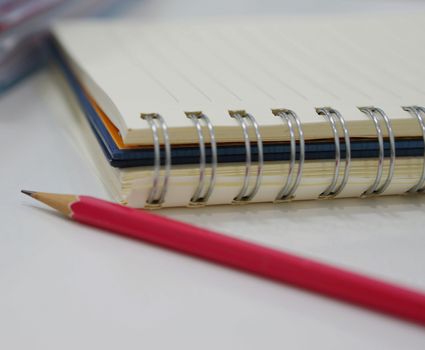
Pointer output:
250, 109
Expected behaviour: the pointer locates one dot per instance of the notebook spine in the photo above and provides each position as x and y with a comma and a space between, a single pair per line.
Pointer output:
341, 174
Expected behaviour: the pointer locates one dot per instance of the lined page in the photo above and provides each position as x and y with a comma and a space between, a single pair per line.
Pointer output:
254, 64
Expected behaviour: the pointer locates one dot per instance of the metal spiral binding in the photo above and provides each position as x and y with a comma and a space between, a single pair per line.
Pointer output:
419, 114
201, 195
374, 113
244, 119
333, 116
157, 193
289, 118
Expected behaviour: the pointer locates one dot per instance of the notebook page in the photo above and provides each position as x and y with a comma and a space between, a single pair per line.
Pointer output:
254, 64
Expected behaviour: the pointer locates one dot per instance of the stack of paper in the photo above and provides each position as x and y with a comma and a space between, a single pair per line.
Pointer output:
254, 109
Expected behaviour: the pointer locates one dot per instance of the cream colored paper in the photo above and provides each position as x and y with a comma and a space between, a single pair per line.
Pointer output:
254, 64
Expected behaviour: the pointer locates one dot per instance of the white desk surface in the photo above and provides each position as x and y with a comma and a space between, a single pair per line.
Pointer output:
66, 286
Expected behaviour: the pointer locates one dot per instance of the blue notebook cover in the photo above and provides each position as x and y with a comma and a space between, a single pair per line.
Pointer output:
226, 153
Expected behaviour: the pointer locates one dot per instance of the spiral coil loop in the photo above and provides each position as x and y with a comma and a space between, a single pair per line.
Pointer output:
288, 190
333, 116
419, 114
250, 187
157, 193
374, 113
244, 119
202, 193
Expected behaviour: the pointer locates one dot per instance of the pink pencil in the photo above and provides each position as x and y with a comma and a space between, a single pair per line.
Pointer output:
262, 261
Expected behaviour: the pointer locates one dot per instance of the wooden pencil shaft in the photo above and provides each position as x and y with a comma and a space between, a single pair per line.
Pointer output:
266, 262
262, 261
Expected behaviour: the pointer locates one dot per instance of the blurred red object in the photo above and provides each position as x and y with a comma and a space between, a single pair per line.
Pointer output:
14, 12
24, 27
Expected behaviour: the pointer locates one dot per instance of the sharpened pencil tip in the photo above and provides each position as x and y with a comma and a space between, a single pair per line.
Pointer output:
28, 193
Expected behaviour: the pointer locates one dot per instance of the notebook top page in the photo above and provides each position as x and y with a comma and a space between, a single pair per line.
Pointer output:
252, 64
